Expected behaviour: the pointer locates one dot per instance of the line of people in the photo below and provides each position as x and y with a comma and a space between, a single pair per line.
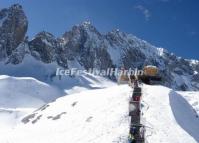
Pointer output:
137, 130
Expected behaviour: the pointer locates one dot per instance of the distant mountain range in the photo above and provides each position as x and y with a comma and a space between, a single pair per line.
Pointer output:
85, 46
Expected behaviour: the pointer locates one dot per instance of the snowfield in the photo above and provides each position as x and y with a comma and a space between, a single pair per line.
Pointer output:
169, 116
20, 96
36, 112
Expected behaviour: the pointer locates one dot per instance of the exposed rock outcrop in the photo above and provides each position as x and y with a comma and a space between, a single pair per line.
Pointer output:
13, 27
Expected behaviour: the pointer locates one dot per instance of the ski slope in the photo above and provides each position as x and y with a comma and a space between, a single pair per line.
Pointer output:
95, 115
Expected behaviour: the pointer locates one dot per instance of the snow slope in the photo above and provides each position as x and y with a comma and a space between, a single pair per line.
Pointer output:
96, 116
46, 73
20, 96
99, 115
169, 117
13, 89
193, 99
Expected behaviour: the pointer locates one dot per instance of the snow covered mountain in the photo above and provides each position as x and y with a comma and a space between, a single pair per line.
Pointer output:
88, 48
36, 106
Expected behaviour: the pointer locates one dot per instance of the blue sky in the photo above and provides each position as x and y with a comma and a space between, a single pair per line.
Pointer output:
172, 24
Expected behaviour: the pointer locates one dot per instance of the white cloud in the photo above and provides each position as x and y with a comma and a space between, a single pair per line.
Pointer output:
145, 11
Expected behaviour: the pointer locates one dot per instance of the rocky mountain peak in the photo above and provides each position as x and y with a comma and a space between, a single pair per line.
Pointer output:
43, 47
85, 29
45, 34
87, 26
13, 27
16, 7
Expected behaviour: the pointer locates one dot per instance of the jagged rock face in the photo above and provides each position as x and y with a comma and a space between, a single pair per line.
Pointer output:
196, 77
43, 47
130, 55
13, 27
61, 55
195, 65
46, 48
86, 44
18, 54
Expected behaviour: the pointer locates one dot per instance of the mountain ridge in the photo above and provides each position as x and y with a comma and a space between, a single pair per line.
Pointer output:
86, 46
